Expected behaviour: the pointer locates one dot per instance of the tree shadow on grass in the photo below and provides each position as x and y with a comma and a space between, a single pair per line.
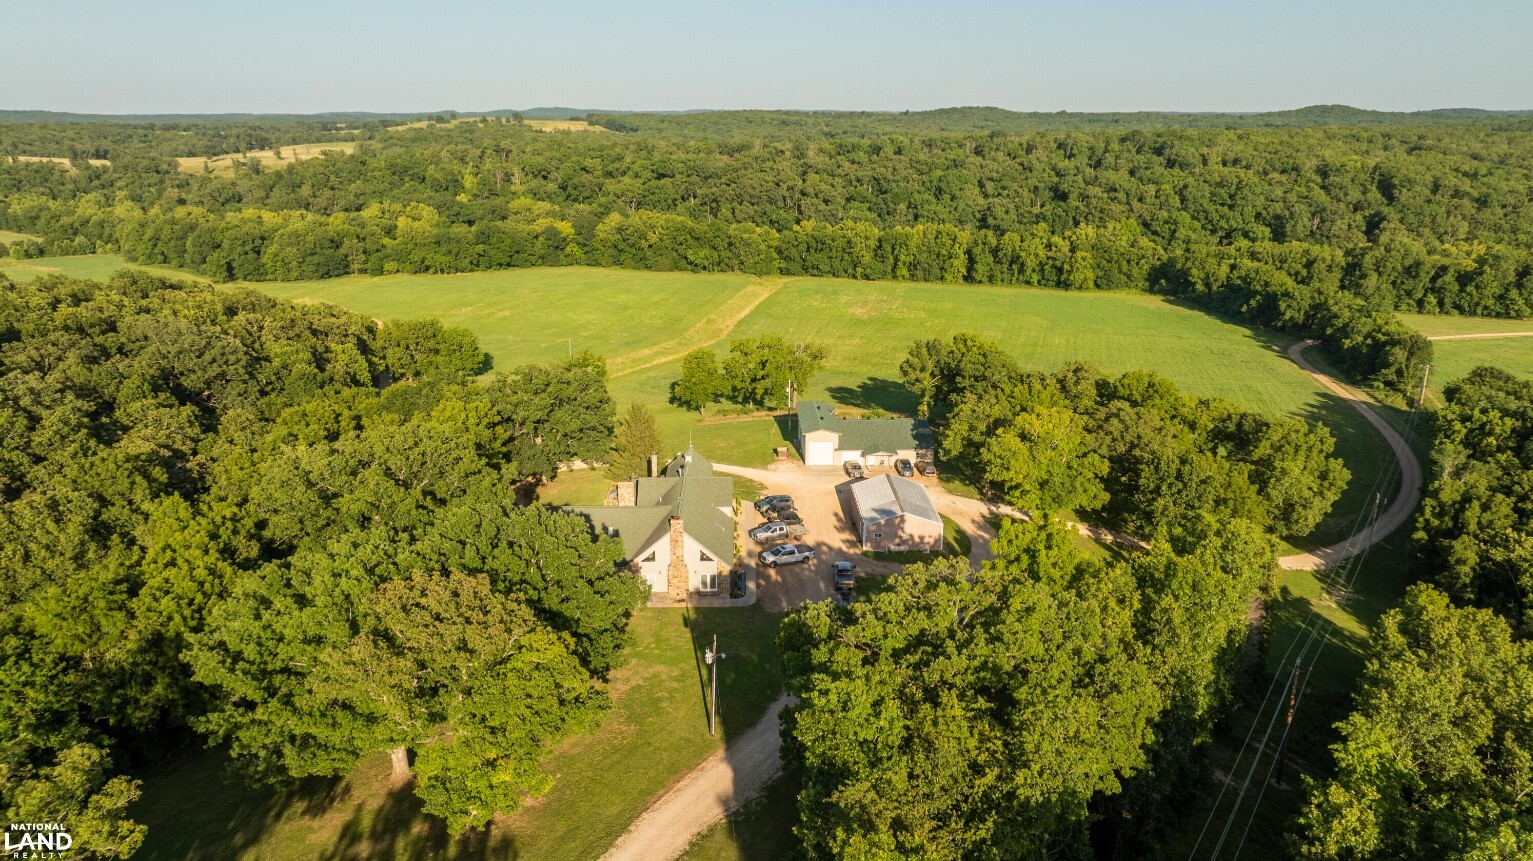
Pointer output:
876, 393
195, 809
399, 829
750, 674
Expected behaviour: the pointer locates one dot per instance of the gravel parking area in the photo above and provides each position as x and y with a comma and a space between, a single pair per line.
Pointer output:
824, 499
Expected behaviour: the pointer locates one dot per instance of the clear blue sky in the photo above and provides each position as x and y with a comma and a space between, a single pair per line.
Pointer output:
142, 56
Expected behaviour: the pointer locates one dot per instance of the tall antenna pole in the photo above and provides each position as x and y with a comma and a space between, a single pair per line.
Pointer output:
1423, 399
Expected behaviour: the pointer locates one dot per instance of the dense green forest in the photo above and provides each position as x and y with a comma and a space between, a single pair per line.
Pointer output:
1320, 230
1475, 532
286, 530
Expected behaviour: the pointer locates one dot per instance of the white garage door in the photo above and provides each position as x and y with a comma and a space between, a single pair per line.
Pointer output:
819, 453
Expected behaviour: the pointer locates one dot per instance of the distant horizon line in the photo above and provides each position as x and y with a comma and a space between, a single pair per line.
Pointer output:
659, 111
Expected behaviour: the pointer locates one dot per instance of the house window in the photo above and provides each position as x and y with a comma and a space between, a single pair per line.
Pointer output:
878, 535
703, 555
710, 581
649, 558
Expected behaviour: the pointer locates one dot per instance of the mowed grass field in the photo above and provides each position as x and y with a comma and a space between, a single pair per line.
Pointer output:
644, 322
95, 267
9, 236
1454, 359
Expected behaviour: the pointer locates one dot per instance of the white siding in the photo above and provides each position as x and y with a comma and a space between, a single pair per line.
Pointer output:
697, 566
654, 571
819, 452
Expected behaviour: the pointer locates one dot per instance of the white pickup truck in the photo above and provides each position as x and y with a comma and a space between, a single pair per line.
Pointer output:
786, 554
777, 530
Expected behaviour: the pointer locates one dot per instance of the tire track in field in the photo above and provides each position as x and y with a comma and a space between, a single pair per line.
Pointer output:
709, 330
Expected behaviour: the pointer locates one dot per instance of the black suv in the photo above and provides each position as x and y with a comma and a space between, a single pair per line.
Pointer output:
903, 467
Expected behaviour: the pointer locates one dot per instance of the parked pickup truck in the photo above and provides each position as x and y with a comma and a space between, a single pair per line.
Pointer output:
770, 505
786, 554
846, 576
777, 530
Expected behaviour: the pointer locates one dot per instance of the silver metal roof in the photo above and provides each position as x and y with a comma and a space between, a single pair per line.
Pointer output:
884, 496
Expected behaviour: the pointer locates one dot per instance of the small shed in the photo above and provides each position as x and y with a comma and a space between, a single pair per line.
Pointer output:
895, 513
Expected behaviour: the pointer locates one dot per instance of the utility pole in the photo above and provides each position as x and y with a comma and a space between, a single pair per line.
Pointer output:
1293, 697
1423, 399
712, 657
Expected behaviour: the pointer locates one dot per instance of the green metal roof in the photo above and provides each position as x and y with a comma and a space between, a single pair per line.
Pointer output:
690, 489
816, 415
866, 435
637, 527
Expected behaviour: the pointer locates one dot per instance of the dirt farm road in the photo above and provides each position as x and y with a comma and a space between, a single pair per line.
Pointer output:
1405, 499
705, 795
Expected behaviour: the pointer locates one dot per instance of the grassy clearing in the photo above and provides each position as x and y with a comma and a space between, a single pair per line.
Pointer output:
576, 487
564, 126
1454, 359
643, 322
9, 236
98, 162
656, 730
1433, 325
96, 267
267, 158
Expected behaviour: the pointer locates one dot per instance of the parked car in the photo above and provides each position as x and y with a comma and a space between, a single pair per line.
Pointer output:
926, 468
903, 467
776, 530
854, 469
768, 504
845, 574
789, 517
786, 554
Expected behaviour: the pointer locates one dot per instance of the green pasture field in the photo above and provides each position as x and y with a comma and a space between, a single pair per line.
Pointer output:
95, 267
1454, 359
657, 729
9, 236
644, 322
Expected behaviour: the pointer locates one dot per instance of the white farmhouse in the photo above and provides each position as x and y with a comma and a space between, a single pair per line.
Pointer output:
677, 529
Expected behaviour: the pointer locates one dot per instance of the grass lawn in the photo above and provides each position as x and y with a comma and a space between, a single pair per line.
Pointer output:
657, 730
1454, 359
576, 487
95, 267
9, 236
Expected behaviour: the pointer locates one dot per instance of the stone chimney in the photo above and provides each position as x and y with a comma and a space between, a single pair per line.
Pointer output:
654, 465
677, 578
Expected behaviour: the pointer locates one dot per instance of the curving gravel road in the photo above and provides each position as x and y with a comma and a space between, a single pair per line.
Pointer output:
1406, 498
